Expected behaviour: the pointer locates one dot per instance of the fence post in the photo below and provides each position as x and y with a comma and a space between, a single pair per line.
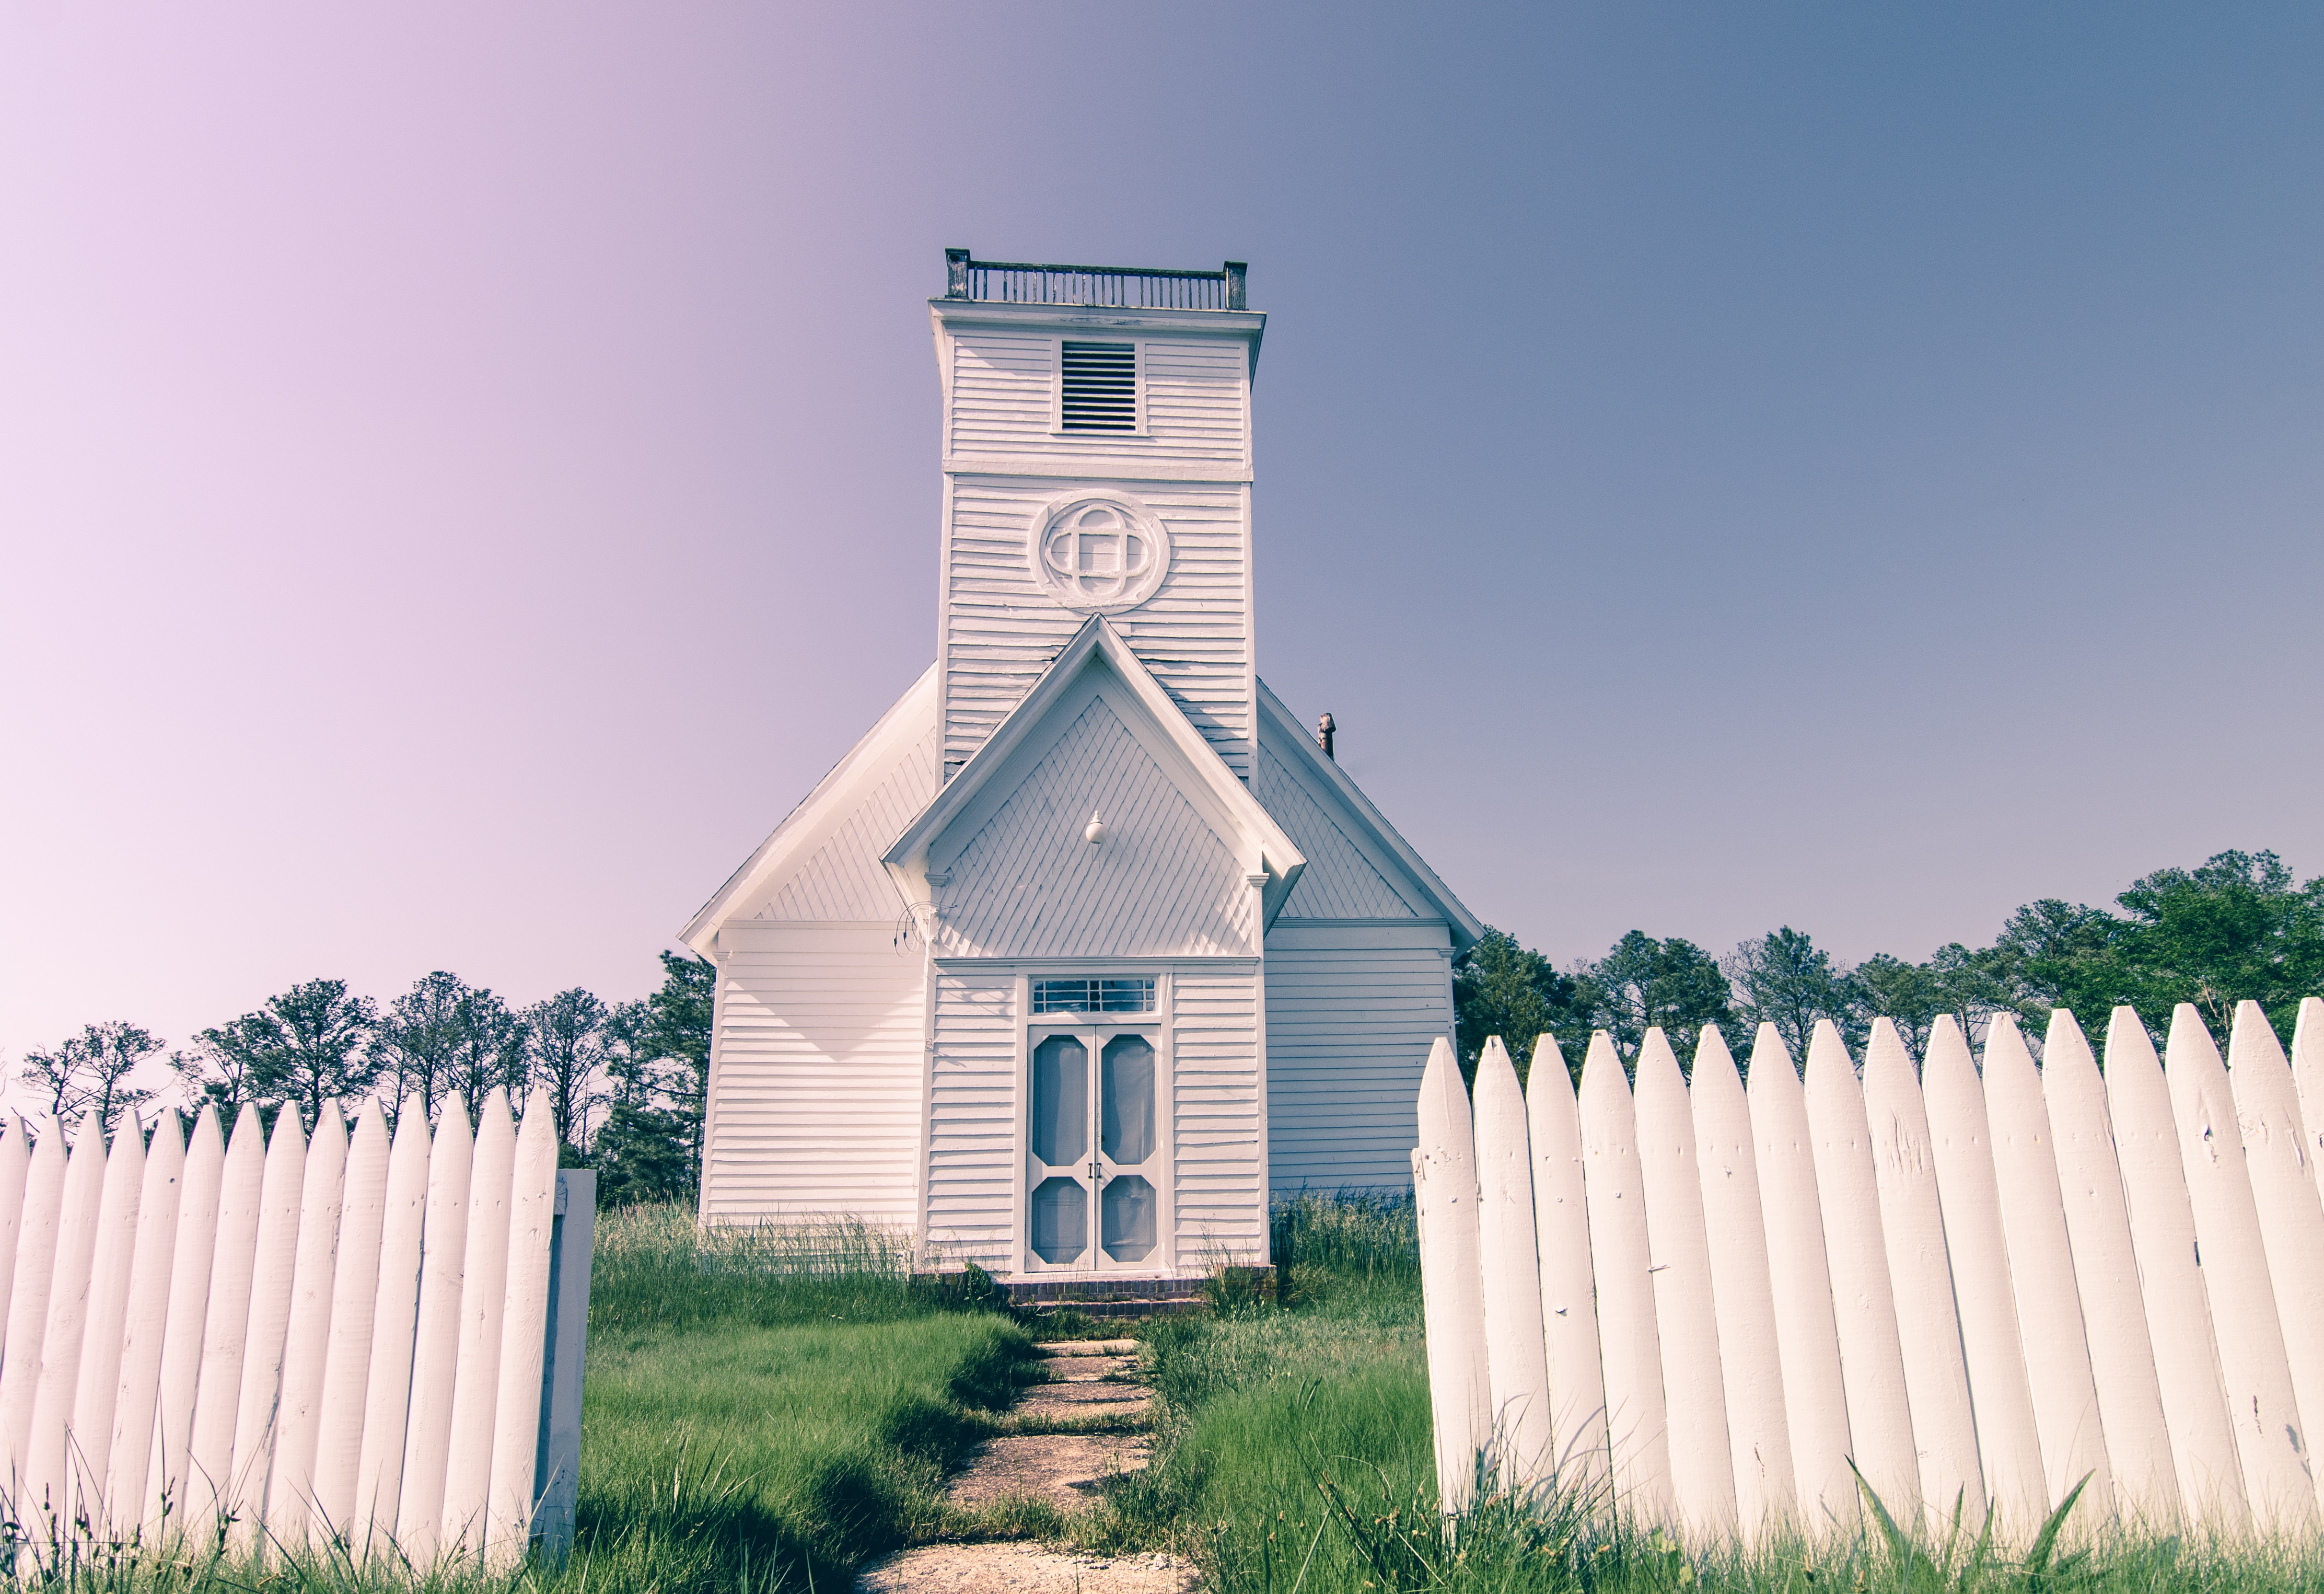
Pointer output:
2069, 1421
1800, 1279
1569, 1294
1928, 1322
1516, 1371
1960, 1139
2283, 1188
1445, 1195
1238, 274
1637, 1422
1880, 1416
2260, 1399
1758, 1427
1686, 1319
2170, 1281
955, 273
556, 1469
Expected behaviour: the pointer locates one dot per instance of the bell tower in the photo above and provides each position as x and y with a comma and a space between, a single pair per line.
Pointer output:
1097, 460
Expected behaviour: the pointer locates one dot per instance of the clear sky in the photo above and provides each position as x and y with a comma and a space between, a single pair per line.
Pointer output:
466, 471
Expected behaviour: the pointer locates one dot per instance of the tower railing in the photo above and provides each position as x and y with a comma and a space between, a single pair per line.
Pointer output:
1115, 287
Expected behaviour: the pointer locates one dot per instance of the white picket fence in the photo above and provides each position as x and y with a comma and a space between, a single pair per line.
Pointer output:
285, 1342
1700, 1303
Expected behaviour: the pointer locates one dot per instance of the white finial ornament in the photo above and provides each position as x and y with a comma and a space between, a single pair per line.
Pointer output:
1095, 832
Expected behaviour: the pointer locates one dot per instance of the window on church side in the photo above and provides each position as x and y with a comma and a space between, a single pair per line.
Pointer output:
1094, 996
1099, 392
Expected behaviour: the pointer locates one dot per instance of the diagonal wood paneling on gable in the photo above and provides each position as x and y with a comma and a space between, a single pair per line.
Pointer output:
844, 880
1163, 884
1339, 881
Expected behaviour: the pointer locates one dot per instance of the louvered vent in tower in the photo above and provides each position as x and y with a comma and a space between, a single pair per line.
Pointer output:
1100, 387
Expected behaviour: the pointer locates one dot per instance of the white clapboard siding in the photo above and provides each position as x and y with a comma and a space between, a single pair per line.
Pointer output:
183, 1335
819, 1048
355, 1291
1165, 882
2040, 1267
1871, 1348
1218, 1149
1799, 1278
1001, 628
2008, 1446
273, 1272
2106, 1274
524, 1323
145, 1315
49, 1489
1750, 1357
483, 1296
2283, 1190
1351, 1010
972, 1166
2252, 1360
1686, 1318
1912, 1221
88, 1428
1637, 1418
1003, 397
2171, 1280
291, 1489
387, 1385
1518, 1374
436, 1349
1569, 1294
28, 1303
1445, 1193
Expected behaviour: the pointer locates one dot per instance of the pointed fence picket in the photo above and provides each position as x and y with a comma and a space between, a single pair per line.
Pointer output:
1966, 1280
202, 1336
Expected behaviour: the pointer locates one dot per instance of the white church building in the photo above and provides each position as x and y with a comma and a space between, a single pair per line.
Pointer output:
1088, 947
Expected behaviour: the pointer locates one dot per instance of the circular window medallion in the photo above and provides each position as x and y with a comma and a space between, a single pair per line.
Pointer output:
1098, 555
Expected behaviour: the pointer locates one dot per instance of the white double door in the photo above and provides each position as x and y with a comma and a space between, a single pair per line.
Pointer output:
1093, 1173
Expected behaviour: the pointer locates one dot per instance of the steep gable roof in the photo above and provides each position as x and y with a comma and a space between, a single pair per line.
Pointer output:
822, 861
922, 858
1332, 818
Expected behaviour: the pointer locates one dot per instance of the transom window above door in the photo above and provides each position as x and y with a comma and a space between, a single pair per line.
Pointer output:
1094, 996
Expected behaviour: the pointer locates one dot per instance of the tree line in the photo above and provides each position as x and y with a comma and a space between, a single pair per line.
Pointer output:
2237, 927
625, 1080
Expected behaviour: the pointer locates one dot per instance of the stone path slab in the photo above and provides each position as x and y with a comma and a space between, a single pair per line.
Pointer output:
1023, 1569
1066, 1469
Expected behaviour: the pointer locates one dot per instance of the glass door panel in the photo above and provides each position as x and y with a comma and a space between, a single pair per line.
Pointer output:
1094, 1144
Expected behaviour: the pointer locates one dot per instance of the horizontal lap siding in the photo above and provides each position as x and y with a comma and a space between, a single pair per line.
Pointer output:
1348, 1031
818, 1081
1001, 628
973, 1121
1219, 1176
1004, 402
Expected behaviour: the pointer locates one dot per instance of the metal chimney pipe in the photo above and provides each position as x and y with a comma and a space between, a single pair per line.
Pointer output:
1323, 729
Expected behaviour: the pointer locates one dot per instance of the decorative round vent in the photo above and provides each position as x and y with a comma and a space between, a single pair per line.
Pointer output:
1100, 553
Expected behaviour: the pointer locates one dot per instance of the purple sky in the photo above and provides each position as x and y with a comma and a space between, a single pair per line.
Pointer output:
465, 472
